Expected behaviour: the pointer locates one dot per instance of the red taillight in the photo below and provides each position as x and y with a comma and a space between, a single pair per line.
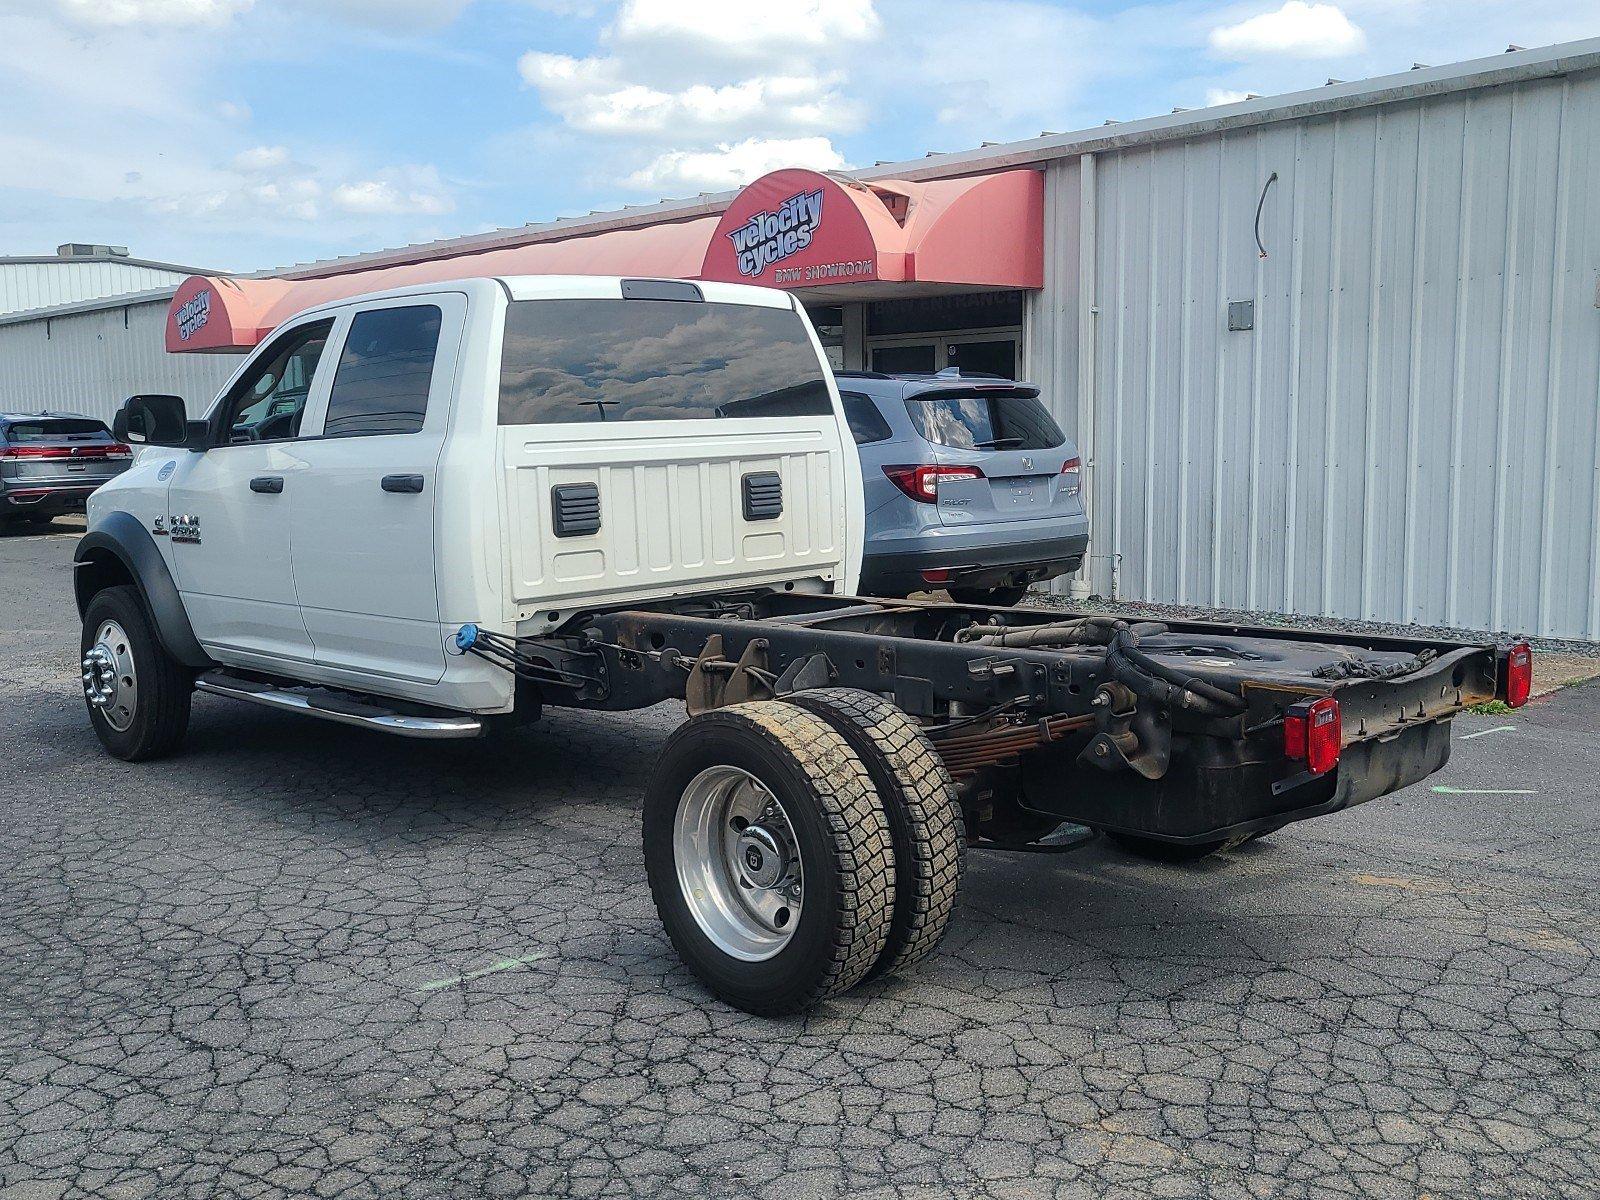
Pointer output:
1071, 467
1519, 675
68, 453
936, 575
1313, 734
921, 483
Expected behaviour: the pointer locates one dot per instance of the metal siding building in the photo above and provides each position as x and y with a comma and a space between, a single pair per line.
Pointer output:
1405, 431
88, 358
36, 282
1408, 433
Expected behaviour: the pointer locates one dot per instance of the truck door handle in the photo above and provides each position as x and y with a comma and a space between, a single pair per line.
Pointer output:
270, 484
402, 483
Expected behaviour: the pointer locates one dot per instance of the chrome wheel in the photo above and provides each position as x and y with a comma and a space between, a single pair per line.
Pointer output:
738, 863
110, 682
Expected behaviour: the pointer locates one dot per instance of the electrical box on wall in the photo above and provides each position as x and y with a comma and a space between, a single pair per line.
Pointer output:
1241, 315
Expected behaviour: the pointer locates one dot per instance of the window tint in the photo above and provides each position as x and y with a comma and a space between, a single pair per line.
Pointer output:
985, 421
384, 372
267, 404
866, 422
656, 360
53, 428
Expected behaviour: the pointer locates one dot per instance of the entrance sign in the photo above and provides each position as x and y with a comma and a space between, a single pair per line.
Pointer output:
771, 237
796, 228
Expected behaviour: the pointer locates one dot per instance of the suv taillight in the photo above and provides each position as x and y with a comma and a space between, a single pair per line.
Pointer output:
921, 483
1313, 734
1518, 685
1073, 466
33, 452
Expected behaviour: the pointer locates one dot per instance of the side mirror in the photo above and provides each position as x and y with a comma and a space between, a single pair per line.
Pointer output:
151, 421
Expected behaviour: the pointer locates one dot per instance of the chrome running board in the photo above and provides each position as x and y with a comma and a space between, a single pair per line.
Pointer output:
342, 707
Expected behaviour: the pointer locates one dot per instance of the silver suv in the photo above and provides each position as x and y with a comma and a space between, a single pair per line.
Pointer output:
50, 462
970, 486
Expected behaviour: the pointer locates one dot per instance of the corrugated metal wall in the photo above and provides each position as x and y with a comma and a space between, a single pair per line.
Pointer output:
1409, 432
91, 362
25, 285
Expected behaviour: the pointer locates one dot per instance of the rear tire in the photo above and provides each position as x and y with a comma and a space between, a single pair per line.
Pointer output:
1000, 597
924, 818
138, 696
769, 856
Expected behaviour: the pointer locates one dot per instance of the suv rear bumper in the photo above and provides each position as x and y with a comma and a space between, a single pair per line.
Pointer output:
45, 498
973, 566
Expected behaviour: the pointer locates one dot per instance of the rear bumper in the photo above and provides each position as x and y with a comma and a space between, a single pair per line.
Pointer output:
973, 562
46, 498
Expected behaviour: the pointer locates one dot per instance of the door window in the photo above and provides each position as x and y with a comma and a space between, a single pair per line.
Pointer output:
866, 422
267, 404
385, 372
904, 360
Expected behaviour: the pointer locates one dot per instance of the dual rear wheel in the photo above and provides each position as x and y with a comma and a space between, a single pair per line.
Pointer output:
797, 848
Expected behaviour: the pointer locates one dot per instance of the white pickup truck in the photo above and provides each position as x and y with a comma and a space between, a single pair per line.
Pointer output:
433, 510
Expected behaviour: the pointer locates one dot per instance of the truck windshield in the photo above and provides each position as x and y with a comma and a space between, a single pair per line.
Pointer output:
985, 421
656, 360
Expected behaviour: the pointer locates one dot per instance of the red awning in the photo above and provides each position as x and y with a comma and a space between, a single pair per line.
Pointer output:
790, 229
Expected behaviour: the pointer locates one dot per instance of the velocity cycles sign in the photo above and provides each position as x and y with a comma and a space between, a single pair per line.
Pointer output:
770, 237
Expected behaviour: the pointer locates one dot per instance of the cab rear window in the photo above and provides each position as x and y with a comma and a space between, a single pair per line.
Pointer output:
568, 361
985, 421
49, 429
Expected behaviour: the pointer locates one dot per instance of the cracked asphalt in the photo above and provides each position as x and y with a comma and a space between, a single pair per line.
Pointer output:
303, 960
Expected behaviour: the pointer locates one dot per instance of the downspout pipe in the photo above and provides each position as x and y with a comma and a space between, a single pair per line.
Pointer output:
1078, 588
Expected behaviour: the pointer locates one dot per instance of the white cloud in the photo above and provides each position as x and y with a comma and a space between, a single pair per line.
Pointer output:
1297, 29
151, 13
400, 191
732, 29
1216, 96
728, 166
593, 96
262, 158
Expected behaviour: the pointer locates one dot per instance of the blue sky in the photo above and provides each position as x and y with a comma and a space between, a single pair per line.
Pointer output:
245, 134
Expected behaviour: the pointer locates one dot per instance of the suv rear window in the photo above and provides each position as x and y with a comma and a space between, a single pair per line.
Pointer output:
656, 360
47, 430
985, 421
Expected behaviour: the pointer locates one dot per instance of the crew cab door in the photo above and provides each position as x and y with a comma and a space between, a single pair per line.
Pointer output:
363, 510
666, 437
228, 520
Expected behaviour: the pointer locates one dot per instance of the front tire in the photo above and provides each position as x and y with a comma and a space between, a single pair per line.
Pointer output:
769, 857
137, 695
924, 819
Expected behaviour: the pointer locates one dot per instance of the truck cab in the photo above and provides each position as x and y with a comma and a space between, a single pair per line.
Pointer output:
501, 452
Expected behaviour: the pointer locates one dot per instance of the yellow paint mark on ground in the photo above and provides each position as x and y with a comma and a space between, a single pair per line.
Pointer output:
1403, 883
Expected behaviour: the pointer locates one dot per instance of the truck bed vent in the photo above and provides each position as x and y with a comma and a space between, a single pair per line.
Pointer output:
575, 509
763, 496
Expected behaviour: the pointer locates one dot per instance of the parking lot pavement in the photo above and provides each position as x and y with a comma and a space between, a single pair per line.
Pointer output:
302, 960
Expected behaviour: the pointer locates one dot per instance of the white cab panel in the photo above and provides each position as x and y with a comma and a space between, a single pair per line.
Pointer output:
671, 507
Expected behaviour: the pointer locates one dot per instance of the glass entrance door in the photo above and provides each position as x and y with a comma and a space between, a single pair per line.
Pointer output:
974, 353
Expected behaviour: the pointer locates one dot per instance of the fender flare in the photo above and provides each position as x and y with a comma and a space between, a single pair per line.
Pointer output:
122, 537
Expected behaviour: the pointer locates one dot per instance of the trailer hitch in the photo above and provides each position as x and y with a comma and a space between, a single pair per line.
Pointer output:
1127, 735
